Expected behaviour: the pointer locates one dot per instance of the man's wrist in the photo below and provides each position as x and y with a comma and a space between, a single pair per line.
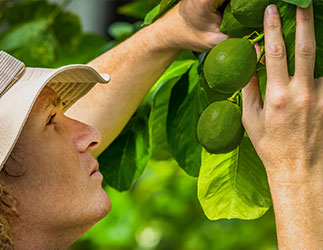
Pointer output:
297, 199
295, 172
289, 183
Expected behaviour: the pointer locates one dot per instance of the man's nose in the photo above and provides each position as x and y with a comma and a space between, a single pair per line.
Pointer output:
87, 138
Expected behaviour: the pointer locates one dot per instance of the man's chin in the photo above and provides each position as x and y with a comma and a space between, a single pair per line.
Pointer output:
105, 205
108, 205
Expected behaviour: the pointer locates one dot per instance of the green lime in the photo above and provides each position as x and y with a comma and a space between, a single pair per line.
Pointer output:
219, 129
232, 27
230, 65
213, 95
249, 12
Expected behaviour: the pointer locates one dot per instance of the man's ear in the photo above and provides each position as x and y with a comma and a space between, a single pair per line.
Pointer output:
15, 166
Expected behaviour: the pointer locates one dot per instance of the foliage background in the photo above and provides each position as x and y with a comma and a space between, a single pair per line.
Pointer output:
161, 210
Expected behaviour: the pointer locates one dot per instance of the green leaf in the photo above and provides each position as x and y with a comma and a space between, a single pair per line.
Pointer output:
119, 29
31, 42
184, 111
71, 33
232, 27
18, 12
288, 18
159, 10
262, 79
318, 24
233, 185
122, 31
150, 17
137, 9
126, 158
300, 3
89, 46
160, 95
165, 5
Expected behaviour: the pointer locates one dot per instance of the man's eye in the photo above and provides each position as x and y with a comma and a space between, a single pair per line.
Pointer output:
51, 120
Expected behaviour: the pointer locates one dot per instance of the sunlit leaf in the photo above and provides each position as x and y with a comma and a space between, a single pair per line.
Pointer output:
159, 10
233, 185
150, 17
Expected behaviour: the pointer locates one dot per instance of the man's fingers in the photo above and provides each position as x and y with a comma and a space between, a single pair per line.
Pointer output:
276, 63
251, 106
252, 101
305, 44
319, 90
251, 96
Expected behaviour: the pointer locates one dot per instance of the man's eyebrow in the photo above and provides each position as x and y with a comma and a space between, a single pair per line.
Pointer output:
55, 102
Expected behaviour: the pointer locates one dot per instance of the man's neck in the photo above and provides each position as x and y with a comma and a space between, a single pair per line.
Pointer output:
38, 238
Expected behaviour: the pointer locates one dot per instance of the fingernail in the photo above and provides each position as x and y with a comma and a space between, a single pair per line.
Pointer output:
272, 10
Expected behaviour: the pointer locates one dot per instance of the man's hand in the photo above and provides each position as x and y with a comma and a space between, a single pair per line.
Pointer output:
193, 25
286, 129
287, 132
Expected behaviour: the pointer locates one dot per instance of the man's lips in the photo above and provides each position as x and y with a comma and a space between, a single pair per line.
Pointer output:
95, 167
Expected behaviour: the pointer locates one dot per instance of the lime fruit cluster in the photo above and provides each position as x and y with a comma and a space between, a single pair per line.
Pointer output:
230, 65
219, 129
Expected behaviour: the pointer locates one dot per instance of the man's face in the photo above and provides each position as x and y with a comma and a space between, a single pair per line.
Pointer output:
52, 174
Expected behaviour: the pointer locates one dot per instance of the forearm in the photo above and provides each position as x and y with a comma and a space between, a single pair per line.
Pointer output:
298, 206
134, 66
137, 63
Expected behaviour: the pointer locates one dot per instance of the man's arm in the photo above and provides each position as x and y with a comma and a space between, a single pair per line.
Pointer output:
286, 131
138, 62
298, 207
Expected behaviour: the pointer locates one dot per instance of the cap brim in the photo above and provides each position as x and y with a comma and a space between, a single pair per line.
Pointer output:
70, 82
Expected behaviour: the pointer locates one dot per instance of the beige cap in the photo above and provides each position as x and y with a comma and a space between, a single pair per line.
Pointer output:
20, 87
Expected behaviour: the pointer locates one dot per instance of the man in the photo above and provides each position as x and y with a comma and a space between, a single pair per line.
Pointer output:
51, 174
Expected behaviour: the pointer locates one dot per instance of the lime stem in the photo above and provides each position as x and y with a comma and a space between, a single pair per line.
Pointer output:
250, 35
240, 100
233, 97
258, 38
261, 55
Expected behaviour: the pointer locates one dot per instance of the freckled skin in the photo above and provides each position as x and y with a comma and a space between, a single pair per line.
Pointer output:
57, 198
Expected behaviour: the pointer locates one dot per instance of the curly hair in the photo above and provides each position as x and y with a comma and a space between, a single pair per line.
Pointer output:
7, 209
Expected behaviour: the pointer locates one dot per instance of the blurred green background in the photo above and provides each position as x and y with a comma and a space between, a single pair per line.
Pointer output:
161, 211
